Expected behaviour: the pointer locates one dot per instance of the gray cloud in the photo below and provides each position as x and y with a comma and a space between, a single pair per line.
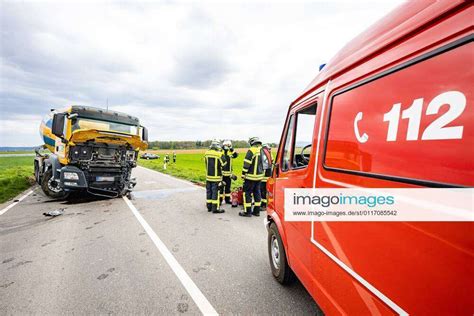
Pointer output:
188, 71
201, 70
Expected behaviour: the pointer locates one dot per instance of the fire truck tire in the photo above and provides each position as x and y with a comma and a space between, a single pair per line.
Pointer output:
51, 187
277, 255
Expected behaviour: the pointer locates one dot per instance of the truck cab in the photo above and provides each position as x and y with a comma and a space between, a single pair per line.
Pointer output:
90, 149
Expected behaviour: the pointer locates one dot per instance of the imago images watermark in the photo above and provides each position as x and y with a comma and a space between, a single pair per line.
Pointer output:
380, 205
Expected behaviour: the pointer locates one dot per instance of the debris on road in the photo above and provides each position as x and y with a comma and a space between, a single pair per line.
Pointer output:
54, 213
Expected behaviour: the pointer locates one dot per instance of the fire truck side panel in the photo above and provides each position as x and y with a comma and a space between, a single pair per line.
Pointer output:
394, 267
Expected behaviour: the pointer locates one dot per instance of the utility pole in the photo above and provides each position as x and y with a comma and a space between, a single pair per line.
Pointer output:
107, 104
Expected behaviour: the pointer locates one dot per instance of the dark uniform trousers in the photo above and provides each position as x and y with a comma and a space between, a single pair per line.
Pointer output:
212, 195
252, 189
263, 192
225, 189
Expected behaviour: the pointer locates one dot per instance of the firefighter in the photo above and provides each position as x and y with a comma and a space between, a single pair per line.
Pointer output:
229, 154
166, 160
252, 173
214, 163
267, 167
174, 157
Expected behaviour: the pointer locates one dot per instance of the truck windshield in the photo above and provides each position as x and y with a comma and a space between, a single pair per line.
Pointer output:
86, 123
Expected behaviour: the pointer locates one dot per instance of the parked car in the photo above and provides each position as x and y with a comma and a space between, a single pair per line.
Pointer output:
393, 109
149, 156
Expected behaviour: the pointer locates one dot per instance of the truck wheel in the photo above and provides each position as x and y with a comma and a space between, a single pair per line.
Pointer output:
277, 254
51, 187
37, 173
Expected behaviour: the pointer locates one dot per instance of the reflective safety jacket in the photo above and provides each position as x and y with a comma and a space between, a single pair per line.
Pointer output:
267, 174
253, 166
214, 163
267, 163
228, 156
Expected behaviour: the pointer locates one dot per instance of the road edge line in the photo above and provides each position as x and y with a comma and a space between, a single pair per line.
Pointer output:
198, 297
5, 209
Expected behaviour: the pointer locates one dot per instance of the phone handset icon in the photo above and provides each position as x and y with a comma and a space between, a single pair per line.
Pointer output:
361, 138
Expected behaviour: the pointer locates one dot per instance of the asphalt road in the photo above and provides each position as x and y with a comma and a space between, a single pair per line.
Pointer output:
162, 254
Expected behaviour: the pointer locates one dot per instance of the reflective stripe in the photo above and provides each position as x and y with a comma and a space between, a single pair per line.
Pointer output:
255, 166
251, 166
227, 194
258, 203
253, 177
228, 165
212, 170
215, 166
246, 205
208, 201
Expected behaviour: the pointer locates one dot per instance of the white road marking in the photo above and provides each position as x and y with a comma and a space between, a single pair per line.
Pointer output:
196, 294
15, 203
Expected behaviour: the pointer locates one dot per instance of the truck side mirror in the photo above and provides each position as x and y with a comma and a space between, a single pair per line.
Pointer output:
144, 134
57, 127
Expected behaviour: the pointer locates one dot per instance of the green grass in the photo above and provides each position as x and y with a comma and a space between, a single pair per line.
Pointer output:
16, 152
191, 167
16, 175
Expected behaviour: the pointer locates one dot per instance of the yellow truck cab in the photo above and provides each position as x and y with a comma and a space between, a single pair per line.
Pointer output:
91, 149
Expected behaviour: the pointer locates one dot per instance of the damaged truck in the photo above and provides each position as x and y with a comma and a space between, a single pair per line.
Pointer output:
90, 149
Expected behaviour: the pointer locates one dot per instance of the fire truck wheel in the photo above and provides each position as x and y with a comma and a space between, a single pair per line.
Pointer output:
51, 187
277, 254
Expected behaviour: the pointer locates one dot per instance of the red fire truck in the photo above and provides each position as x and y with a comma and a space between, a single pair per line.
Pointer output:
393, 109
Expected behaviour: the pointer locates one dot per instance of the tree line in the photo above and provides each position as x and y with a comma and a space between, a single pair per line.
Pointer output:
194, 144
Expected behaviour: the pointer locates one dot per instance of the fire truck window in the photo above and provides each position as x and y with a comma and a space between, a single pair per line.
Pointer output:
285, 162
304, 137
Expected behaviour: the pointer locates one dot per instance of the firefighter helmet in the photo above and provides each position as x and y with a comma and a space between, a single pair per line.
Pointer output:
226, 144
215, 144
267, 146
254, 141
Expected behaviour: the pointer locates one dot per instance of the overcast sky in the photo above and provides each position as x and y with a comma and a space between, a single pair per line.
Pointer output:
188, 70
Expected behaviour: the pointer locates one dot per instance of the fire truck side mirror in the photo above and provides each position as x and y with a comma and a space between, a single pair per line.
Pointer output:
144, 134
57, 127
276, 170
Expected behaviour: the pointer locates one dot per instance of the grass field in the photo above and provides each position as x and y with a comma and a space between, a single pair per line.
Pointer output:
190, 166
16, 175
186, 151
19, 152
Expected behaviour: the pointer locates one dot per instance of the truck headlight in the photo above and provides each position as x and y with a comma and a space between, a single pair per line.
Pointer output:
71, 176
